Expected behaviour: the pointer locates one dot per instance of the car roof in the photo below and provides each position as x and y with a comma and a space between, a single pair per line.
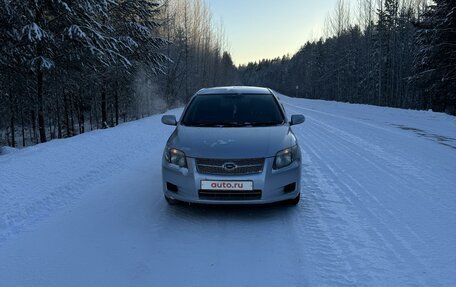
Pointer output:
235, 90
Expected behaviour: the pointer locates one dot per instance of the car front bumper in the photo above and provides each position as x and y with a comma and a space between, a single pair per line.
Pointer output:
273, 184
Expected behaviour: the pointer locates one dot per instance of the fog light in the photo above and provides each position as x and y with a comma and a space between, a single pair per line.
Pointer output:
290, 187
171, 187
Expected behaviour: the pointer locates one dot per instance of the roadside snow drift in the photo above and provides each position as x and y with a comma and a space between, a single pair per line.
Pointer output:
378, 208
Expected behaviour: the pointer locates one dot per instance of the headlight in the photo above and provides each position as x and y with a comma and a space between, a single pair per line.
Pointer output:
285, 157
176, 157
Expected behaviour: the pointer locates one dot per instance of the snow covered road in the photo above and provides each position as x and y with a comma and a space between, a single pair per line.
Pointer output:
378, 208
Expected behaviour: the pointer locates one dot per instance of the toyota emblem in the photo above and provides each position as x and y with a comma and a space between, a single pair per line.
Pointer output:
229, 166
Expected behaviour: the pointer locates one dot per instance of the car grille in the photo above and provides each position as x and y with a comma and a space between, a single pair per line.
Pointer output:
229, 195
229, 167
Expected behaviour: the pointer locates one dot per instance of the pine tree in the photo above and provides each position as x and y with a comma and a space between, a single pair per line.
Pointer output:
436, 61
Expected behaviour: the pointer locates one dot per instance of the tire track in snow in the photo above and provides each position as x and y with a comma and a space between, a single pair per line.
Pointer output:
327, 264
336, 216
380, 234
317, 234
399, 170
394, 169
344, 149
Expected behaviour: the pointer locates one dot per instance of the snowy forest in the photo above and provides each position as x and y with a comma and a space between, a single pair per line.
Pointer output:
395, 53
67, 67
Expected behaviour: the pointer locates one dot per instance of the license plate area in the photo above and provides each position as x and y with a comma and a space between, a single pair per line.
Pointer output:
227, 185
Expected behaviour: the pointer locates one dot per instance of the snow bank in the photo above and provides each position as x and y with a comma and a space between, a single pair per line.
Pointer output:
38, 179
6, 150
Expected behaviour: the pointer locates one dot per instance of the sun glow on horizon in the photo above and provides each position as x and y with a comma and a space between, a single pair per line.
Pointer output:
257, 30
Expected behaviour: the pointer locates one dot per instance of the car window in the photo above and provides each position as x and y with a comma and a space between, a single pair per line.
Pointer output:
233, 110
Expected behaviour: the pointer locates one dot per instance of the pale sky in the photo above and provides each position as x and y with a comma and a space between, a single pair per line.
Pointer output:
258, 29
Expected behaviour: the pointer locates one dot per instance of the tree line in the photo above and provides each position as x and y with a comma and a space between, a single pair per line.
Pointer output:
71, 66
395, 53
67, 66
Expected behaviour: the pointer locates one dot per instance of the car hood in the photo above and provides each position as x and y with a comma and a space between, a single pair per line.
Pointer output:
232, 143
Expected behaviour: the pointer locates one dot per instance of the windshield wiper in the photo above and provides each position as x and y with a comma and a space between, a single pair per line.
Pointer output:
216, 124
238, 124
266, 124
200, 124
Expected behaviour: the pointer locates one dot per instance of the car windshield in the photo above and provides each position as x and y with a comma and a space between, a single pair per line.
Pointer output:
233, 111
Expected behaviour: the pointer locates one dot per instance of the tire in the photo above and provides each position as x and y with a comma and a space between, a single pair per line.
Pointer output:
294, 201
171, 201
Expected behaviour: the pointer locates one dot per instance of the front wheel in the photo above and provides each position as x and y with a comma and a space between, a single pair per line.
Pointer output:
294, 201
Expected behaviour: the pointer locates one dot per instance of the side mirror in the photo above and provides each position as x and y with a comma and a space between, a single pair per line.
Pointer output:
169, 120
297, 119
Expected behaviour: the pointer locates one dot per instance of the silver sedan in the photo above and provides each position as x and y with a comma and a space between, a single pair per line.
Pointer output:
232, 145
